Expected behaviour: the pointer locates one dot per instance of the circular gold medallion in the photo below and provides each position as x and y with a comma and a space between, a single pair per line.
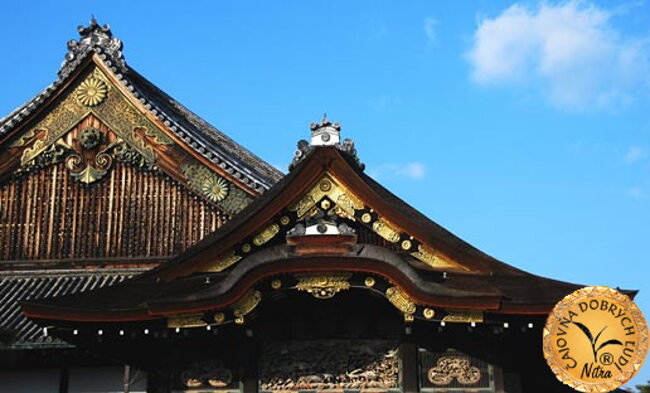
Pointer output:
325, 185
406, 245
219, 317
428, 313
595, 340
92, 91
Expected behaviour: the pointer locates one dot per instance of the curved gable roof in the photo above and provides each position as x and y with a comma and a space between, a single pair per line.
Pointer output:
454, 275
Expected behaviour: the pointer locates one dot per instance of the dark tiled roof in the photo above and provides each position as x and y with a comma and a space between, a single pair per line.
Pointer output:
202, 136
16, 330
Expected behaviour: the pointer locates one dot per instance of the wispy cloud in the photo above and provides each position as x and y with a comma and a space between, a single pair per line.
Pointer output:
411, 170
637, 193
634, 154
430, 28
569, 52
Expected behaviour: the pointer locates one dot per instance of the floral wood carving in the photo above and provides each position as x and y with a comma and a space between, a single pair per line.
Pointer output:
206, 374
323, 286
215, 188
88, 156
94, 95
93, 156
329, 365
449, 368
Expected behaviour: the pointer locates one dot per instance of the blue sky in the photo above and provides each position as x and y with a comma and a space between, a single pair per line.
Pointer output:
524, 127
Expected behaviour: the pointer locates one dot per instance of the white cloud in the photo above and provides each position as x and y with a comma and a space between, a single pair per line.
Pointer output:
569, 51
634, 154
411, 170
430, 28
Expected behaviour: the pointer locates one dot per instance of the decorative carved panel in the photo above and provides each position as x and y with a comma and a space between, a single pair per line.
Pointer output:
215, 188
206, 376
93, 124
332, 197
353, 365
94, 96
454, 371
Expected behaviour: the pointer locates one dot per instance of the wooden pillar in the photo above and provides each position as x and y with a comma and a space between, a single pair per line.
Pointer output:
409, 355
250, 363
495, 358
498, 378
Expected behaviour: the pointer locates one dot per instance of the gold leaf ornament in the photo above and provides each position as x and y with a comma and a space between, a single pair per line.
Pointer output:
323, 286
215, 188
92, 91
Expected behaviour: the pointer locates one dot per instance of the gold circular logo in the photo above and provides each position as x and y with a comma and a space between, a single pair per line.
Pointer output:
595, 340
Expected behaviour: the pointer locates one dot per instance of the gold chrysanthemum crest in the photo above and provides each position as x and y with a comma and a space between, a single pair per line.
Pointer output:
215, 188
92, 91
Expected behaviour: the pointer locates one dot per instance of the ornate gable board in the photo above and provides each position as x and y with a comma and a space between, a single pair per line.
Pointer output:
161, 138
135, 138
349, 205
327, 185
328, 195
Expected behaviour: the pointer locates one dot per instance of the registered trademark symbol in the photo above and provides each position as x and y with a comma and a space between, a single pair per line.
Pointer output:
606, 358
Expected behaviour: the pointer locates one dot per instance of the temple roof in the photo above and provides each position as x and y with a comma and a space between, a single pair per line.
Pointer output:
325, 217
203, 138
16, 330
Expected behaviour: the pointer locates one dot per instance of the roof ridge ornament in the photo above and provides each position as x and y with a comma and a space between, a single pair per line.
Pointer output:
93, 38
325, 133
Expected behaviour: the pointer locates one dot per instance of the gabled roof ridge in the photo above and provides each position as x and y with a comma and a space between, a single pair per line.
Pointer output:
201, 135
430, 231
415, 215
